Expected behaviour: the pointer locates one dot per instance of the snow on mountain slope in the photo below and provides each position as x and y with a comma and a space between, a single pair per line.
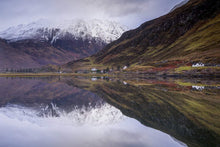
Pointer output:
106, 31
179, 5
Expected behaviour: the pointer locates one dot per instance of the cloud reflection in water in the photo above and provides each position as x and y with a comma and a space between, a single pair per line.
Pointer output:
93, 126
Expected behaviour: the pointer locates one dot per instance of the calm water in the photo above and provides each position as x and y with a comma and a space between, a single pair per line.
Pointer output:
94, 112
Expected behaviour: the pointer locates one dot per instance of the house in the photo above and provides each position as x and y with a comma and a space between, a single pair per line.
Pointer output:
94, 79
93, 70
198, 65
198, 87
125, 67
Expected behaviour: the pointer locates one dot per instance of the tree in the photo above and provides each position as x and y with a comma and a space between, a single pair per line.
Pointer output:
107, 69
12, 70
118, 68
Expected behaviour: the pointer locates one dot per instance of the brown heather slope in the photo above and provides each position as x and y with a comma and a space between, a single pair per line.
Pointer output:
187, 35
35, 53
28, 54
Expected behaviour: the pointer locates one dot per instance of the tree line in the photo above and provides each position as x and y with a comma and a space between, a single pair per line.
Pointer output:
20, 70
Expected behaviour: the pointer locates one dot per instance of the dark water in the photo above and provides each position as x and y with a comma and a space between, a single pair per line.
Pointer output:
97, 112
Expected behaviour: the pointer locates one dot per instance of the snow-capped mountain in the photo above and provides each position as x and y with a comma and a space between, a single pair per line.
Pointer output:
48, 42
106, 31
179, 5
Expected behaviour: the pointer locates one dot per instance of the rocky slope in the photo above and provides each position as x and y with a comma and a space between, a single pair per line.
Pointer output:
188, 35
44, 42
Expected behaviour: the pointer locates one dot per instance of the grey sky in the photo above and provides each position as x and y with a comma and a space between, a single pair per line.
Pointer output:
128, 12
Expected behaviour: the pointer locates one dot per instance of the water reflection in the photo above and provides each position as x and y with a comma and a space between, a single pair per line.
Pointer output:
71, 111
94, 126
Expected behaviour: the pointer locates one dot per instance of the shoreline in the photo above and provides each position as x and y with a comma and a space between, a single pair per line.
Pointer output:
122, 74
46, 74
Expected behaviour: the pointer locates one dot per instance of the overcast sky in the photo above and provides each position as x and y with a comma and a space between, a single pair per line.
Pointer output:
127, 12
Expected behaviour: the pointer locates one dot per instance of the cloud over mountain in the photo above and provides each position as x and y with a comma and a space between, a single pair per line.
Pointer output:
128, 12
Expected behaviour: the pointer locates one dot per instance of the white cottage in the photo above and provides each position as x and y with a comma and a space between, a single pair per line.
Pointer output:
94, 70
198, 65
125, 67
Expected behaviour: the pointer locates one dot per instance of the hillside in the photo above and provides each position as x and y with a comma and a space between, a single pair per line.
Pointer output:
32, 54
187, 35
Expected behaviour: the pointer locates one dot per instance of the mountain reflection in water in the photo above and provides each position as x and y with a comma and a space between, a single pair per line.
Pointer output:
67, 111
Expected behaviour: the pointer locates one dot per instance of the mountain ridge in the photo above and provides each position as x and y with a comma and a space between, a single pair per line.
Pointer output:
47, 30
179, 5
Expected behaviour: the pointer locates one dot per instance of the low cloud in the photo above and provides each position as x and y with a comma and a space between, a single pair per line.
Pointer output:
128, 12
117, 8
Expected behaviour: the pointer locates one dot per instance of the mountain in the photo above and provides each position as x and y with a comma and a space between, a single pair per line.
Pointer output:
189, 34
52, 31
48, 42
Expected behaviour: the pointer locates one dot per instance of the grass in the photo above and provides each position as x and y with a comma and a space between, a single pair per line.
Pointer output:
139, 68
201, 43
133, 68
182, 83
188, 68
86, 64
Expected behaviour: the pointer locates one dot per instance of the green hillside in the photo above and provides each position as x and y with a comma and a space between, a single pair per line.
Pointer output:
187, 35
